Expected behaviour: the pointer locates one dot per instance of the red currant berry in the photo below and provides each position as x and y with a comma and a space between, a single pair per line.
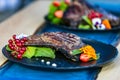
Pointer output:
12, 48
15, 48
25, 39
22, 41
14, 36
18, 49
19, 44
19, 56
23, 49
21, 52
10, 45
17, 41
10, 41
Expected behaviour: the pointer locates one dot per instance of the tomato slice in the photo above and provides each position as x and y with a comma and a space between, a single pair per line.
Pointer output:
84, 58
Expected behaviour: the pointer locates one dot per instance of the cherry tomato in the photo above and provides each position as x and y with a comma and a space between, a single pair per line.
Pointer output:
84, 58
67, 1
59, 13
56, 3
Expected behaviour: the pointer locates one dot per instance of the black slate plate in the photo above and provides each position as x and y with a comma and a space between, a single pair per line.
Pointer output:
107, 54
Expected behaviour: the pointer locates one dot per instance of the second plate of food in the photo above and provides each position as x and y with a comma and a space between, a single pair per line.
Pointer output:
80, 15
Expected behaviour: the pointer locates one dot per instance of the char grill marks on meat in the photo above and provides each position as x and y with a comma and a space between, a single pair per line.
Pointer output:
64, 42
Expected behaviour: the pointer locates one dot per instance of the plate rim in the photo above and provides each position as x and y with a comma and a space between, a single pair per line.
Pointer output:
83, 30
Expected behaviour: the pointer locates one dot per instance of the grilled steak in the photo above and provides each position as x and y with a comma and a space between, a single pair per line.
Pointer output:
64, 42
72, 17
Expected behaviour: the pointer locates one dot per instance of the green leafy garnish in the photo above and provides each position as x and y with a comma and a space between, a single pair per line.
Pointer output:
63, 6
76, 51
56, 20
7, 48
50, 16
39, 52
45, 52
98, 55
81, 26
52, 9
86, 19
30, 52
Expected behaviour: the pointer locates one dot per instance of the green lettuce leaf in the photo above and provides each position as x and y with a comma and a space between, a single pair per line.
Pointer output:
7, 48
45, 52
63, 6
30, 52
98, 55
52, 9
76, 51
81, 26
87, 20
56, 20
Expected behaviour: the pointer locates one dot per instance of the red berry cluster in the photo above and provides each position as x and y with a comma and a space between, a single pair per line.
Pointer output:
94, 14
17, 46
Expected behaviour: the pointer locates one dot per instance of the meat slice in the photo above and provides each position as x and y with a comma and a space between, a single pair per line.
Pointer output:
64, 42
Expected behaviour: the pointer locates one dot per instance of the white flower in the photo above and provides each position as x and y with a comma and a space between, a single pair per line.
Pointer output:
21, 36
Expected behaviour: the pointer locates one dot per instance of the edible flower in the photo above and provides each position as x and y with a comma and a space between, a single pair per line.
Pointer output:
90, 51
